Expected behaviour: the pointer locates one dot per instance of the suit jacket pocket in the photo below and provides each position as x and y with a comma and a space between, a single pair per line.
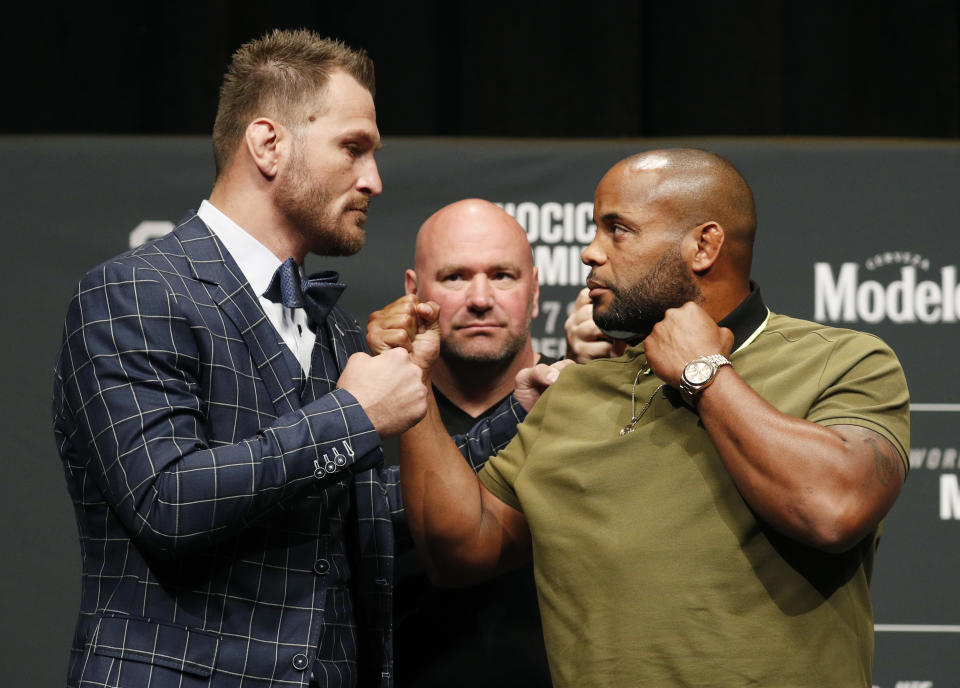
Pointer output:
159, 643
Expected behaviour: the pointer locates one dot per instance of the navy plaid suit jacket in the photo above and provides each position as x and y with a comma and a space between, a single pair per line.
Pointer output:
197, 478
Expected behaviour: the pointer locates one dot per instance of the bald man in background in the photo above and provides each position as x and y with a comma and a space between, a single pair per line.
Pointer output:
703, 510
472, 259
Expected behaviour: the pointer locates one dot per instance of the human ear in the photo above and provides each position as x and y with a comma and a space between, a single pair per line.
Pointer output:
410, 281
709, 240
262, 138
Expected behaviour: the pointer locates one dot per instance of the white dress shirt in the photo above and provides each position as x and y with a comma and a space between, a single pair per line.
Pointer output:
258, 264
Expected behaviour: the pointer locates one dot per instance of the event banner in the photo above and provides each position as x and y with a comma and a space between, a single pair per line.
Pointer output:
852, 233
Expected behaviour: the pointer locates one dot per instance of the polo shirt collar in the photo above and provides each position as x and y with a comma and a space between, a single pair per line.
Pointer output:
748, 319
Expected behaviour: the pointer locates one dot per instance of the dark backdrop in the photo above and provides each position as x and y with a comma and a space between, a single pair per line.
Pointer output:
626, 70
883, 213
531, 68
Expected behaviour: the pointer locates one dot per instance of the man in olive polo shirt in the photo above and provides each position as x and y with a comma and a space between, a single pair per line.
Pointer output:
703, 510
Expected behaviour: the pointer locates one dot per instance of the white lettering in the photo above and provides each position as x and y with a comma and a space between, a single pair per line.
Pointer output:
568, 209
842, 298
916, 458
584, 229
551, 223
898, 257
552, 310
560, 265
948, 276
528, 215
578, 271
835, 299
934, 458
949, 497
552, 263
928, 301
949, 459
870, 301
900, 296
554, 347
147, 230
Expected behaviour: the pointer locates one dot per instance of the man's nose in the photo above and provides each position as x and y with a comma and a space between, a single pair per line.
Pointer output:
369, 181
593, 255
480, 293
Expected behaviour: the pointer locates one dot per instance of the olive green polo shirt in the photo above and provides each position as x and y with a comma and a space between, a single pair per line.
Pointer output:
651, 569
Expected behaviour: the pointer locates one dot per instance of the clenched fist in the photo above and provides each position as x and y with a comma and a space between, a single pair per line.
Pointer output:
389, 387
407, 324
684, 334
531, 383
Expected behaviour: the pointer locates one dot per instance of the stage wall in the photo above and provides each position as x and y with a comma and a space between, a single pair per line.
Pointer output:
852, 232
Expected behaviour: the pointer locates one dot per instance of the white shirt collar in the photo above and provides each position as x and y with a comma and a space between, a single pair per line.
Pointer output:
256, 261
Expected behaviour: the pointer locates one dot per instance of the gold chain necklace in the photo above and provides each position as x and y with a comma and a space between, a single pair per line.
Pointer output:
635, 417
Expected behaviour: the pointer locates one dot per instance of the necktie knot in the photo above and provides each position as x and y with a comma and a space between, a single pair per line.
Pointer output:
316, 294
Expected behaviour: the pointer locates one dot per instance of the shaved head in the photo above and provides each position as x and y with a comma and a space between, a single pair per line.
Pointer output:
695, 187
471, 216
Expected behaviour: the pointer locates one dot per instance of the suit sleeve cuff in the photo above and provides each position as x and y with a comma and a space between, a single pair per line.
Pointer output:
340, 439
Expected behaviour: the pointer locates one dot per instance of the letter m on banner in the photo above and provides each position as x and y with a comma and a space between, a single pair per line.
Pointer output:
949, 497
835, 299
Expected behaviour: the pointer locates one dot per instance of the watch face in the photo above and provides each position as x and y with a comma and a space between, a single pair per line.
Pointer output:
698, 372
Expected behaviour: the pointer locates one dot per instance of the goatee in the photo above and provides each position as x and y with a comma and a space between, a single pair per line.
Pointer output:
638, 307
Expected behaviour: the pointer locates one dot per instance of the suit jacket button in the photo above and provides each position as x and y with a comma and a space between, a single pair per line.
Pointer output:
300, 661
322, 566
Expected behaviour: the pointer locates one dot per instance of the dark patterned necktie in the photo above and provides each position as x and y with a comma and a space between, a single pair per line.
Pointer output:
316, 294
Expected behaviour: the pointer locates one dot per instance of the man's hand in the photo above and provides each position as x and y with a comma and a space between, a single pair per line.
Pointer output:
407, 324
389, 387
585, 341
684, 334
532, 382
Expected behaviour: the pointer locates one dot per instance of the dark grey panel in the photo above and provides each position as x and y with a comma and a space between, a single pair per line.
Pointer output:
877, 215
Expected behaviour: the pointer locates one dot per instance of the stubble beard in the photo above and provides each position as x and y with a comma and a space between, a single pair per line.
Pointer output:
638, 307
457, 355
309, 208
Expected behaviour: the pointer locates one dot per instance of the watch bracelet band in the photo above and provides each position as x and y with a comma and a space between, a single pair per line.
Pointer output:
716, 360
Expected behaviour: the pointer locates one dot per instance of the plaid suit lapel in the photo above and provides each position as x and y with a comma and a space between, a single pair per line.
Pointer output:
212, 263
345, 337
337, 337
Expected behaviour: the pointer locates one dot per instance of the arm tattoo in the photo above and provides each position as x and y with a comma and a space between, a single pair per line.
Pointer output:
882, 461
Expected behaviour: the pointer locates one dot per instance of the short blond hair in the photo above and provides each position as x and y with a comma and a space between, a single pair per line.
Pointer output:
279, 75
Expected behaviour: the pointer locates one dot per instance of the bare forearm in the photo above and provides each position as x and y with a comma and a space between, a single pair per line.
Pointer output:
441, 495
464, 533
827, 487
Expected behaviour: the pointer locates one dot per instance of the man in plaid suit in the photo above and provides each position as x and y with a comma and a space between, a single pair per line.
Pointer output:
219, 421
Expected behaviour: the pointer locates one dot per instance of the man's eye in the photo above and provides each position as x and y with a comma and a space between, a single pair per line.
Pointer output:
503, 276
451, 278
619, 232
354, 150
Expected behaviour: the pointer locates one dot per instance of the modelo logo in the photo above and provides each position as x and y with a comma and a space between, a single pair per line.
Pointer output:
842, 296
